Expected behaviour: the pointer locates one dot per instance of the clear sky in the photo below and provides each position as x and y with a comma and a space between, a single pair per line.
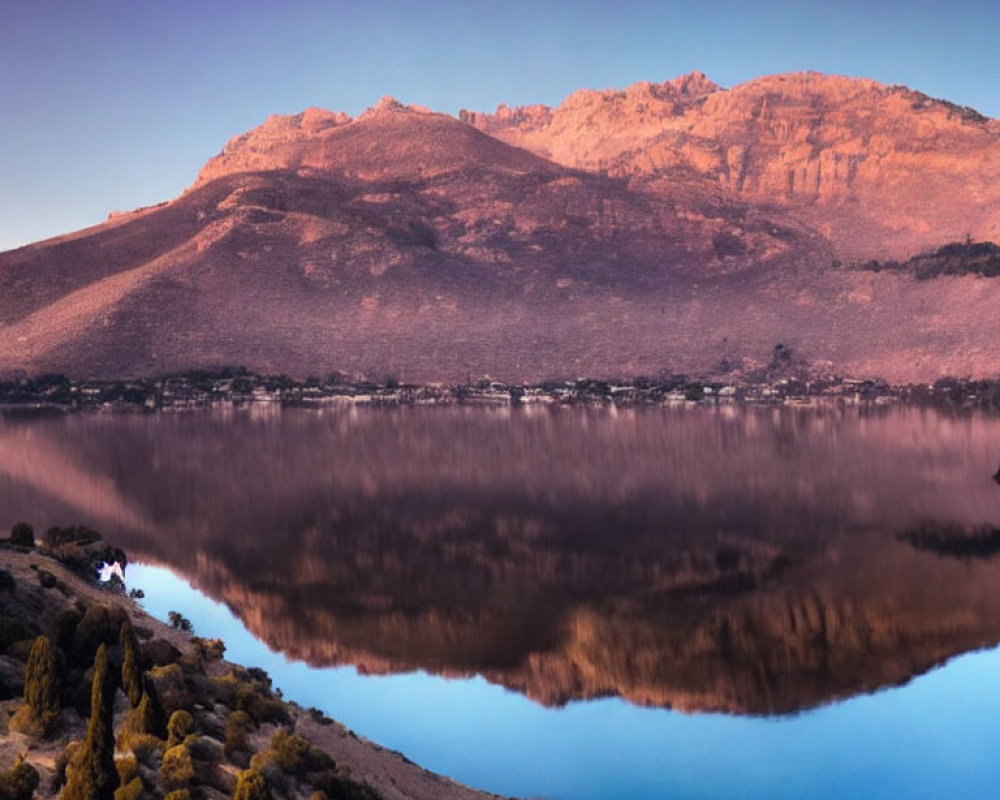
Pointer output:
113, 104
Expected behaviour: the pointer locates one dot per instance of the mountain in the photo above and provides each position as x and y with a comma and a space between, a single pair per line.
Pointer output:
880, 170
670, 226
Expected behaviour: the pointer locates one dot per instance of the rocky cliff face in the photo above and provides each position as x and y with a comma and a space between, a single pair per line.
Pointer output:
879, 169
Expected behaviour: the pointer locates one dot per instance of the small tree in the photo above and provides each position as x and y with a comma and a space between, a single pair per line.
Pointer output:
251, 785
40, 712
131, 664
92, 774
22, 534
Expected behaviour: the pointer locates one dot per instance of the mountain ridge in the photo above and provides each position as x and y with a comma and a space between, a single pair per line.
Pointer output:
666, 226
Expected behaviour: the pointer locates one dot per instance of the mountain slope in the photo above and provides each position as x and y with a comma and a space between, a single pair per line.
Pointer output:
414, 244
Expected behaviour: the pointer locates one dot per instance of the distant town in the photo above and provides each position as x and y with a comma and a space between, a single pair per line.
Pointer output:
239, 387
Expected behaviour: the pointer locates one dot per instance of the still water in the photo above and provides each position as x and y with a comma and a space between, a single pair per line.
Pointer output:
574, 604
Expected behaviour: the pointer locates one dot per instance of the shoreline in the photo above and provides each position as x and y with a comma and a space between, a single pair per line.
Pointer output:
238, 388
389, 774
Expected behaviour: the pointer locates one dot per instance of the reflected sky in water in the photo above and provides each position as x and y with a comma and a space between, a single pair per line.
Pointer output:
936, 737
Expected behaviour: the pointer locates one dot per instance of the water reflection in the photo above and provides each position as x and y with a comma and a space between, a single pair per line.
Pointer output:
760, 561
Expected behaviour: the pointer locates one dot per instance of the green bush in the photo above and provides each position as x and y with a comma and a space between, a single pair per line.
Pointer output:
146, 718
337, 786
171, 688
91, 775
19, 782
238, 726
295, 755
159, 653
179, 727
177, 769
22, 534
179, 621
251, 785
146, 748
130, 791
250, 691
128, 768
100, 625
73, 557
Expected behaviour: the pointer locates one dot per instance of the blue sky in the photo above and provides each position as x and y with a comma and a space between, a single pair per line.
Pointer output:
109, 104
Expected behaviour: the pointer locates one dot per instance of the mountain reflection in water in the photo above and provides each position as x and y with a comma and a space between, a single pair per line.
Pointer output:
757, 561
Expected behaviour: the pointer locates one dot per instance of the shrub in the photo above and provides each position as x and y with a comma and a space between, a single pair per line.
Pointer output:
179, 621
130, 791
317, 716
61, 763
100, 625
171, 688
338, 786
251, 785
40, 712
250, 691
179, 727
146, 718
22, 534
19, 782
176, 770
128, 768
74, 558
132, 682
159, 653
295, 755
76, 534
178, 794
92, 775
8, 583
238, 725
278, 781
211, 649
146, 748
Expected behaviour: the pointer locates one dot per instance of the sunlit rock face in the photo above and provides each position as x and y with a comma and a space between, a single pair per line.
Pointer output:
664, 227
753, 563
881, 170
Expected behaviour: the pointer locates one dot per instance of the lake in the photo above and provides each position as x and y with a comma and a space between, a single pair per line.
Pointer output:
577, 603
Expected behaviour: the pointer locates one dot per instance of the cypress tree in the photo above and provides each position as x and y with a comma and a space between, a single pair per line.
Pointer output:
40, 711
41, 678
131, 664
93, 775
